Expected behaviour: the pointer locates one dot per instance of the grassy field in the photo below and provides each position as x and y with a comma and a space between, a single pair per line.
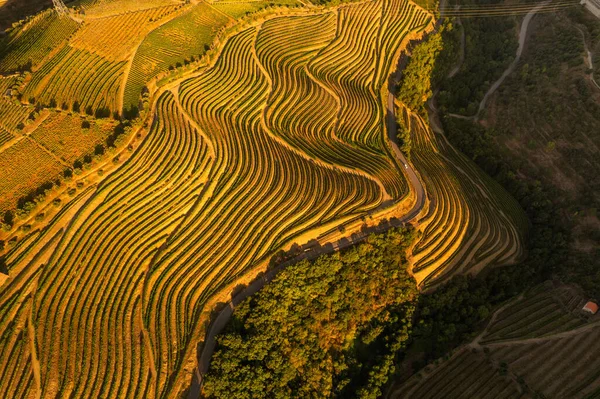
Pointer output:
538, 344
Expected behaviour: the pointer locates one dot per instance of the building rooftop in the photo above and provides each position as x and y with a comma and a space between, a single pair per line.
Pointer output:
590, 307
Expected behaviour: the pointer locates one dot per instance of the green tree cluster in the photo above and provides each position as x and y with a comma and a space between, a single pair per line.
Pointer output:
490, 46
415, 84
330, 328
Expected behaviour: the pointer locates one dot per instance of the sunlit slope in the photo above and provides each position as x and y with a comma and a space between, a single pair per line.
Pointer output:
323, 98
184, 38
219, 184
471, 222
100, 8
29, 44
115, 37
77, 76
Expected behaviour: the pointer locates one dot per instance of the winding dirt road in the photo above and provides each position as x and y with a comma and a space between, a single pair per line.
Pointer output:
513, 65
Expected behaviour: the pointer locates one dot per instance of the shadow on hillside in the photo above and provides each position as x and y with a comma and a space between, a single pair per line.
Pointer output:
15, 10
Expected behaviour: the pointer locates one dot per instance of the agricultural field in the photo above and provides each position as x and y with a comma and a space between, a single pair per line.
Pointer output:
42, 151
471, 221
116, 37
544, 311
5, 136
77, 76
80, 64
64, 136
27, 45
237, 9
101, 8
467, 374
25, 166
540, 343
552, 134
274, 139
189, 35
14, 116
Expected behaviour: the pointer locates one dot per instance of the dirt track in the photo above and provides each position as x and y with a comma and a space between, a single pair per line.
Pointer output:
513, 65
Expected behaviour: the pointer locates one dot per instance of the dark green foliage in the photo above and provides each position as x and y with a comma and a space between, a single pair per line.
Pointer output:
415, 85
131, 113
331, 328
490, 46
85, 124
9, 218
117, 131
548, 238
99, 149
404, 140
449, 316
102, 113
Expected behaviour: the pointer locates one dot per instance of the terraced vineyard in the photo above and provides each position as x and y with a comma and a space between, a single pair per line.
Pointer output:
471, 221
467, 374
277, 137
32, 42
74, 75
13, 115
116, 37
238, 9
548, 312
171, 45
538, 344
100, 8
